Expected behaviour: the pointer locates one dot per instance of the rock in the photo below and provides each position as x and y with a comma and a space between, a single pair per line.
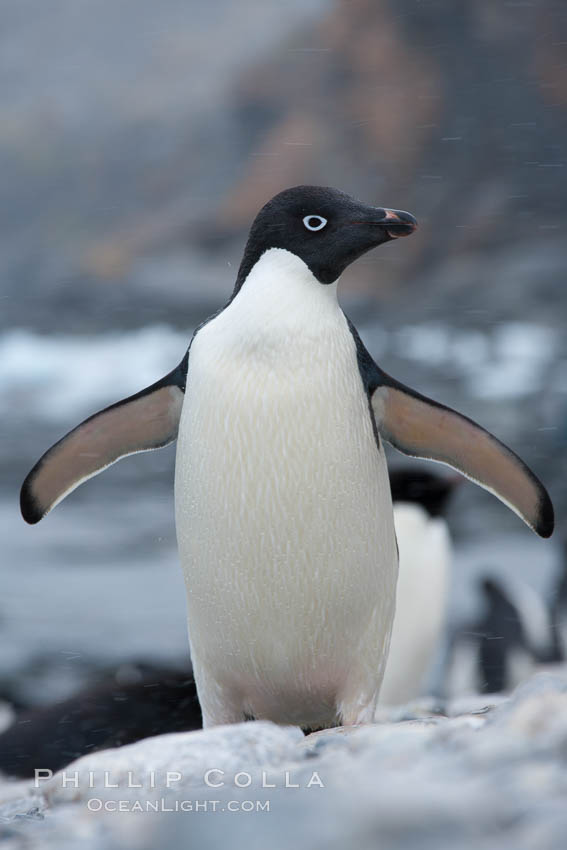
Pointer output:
476, 781
537, 710
174, 764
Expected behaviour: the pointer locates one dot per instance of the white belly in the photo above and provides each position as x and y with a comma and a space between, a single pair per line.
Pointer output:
284, 518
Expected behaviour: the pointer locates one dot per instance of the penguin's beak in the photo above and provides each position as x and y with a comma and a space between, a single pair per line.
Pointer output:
397, 223
361, 228
391, 223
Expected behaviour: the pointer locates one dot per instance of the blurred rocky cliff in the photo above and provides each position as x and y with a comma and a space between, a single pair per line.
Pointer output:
138, 140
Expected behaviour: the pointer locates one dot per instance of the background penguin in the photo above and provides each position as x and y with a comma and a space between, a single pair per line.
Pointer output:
283, 510
559, 604
516, 634
420, 500
513, 636
106, 715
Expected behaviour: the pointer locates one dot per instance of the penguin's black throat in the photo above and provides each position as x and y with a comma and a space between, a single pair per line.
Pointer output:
325, 228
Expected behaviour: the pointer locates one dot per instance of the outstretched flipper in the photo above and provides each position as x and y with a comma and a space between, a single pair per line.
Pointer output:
420, 427
145, 421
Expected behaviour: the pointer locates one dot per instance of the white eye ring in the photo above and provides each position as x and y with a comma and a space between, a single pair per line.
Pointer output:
314, 222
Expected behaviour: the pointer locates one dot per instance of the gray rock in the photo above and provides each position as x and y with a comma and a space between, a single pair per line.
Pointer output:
487, 780
174, 764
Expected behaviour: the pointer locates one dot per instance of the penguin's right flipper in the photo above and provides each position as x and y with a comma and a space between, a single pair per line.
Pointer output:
145, 421
420, 427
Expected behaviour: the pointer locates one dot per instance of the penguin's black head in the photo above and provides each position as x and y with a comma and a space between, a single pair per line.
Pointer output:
327, 229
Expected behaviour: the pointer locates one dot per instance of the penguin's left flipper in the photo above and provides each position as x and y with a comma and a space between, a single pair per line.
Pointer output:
145, 421
420, 427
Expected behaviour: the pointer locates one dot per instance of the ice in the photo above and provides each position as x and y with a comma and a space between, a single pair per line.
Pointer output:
56, 377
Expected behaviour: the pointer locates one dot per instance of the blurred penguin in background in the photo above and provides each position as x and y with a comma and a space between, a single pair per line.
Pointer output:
514, 636
559, 604
420, 500
108, 714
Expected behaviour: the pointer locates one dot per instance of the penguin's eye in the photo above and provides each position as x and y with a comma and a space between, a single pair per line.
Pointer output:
314, 222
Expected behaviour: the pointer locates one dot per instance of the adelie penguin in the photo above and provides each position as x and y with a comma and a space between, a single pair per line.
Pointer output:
283, 506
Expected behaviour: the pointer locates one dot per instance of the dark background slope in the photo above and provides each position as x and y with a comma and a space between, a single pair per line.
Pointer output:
138, 142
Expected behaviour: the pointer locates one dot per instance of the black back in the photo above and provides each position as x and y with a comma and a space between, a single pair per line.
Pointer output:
427, 489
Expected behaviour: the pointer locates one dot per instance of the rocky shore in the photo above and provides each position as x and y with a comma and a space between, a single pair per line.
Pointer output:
488, 773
